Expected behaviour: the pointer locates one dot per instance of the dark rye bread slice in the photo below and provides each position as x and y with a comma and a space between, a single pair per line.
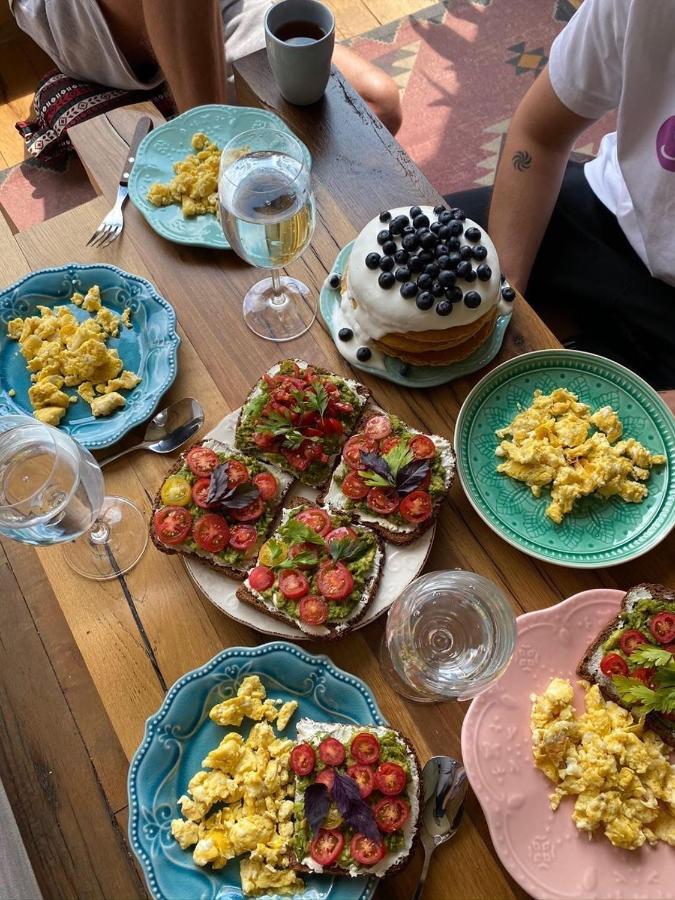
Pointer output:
335, 630
399, 538
589, 667
415, 831
238, 574
361, 390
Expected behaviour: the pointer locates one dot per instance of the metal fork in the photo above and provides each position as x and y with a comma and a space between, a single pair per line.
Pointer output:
111, 226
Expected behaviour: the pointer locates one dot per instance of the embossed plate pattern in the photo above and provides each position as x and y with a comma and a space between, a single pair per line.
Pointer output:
179, 735
543, 850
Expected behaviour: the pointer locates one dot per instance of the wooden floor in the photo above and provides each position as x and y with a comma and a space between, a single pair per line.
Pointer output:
22, 63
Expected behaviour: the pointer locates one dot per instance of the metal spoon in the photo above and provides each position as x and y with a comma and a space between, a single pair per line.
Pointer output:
445, 785
168, 429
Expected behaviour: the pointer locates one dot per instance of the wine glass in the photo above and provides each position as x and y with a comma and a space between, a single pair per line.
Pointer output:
51, 492
448, 636
267, 213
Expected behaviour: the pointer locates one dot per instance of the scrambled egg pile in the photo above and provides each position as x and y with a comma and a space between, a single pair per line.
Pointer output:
195, 184
249, 780
62, 352
620, 774
550, 444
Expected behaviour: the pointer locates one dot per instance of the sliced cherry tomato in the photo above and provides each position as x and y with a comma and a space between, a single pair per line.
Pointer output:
630, 640
335, 581
176, 491
250, 513
211, 532
388, 444
272, 554
365, 851
303, 759
352, 450
265, 440
364, 777
613, 664
390, 778
670, 648
201, 461
327, 846
200, 491
391, 813
423, 447
297, 549
662, 626
344, 409
266, 484
296, 460
382, 500
172, 524
261, 578
416, 507
365, 748
242, 537
332, 752
237, 473
643, 674
317, 519
354, 487
293, 584
313, 610
327, 777
343, 533
378, 427
332, 425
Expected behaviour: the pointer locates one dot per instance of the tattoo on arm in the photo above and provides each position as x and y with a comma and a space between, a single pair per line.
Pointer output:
521, 160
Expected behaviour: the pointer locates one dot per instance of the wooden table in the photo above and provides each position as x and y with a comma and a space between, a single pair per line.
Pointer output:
82, 664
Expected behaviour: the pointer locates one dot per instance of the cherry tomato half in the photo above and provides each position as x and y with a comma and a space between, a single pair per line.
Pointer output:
313, 610
364, 851
388, 444
416, 507
303, 759
630, 640
200, 491
332, 752
261, 578
249, 513
613, 664
293, 584
266, 484
306, 547
378, 427
237, 473
296, 460
354, 487
176, 491
327, 777
364, 777
643, 674
317, 519
335, 581
423, 447
391, 813
327, 846
382, 500
265, 440
390, 778
211, 532
201, 461
365, 748
343, 533
172, 524
356, 444
662, 626
242, 537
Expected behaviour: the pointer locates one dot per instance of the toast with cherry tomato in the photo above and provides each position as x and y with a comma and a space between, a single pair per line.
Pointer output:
219, 505
392, 477
357, 799
298, 417
319, 571
633, 659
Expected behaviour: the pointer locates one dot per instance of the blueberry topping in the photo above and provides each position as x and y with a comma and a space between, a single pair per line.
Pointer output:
447, 279
432, 269
389, 247
426, 256
508, 293
386, 280
466, 252
445, 217
484, 272
415, 211
463, 268
453, 243
473, 234
435, 227
410, 242
373, 260
444, 261
455, 258
425, 300
421, 221
454, 294
334, 281
472, 299
363, 354
444, 232
444, 308
415, 264
470, 276
439, 209
345, 334
408, 290
402, 274
387, 263
382, 237
458, 213
397, 225
401, 256
428, 240
404, 369
455, 227
479, 251
385, 215
408, 230
437, 289
424, 282
442, 250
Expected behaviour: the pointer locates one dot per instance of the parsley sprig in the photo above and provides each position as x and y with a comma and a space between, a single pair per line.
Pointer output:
348, 550
659, 695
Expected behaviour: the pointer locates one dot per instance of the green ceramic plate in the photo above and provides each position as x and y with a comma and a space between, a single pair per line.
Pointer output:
598, 532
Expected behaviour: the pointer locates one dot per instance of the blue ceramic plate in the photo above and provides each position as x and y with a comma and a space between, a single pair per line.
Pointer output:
172, 142
150, 348
397, 371
178, 737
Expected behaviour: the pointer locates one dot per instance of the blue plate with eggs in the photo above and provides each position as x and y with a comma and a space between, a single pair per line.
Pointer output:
149, 348
179, 735
394, 369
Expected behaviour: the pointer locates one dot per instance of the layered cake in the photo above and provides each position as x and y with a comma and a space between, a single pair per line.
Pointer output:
422, 285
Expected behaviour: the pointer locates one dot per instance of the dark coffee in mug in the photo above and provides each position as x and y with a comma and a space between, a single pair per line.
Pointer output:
297, 34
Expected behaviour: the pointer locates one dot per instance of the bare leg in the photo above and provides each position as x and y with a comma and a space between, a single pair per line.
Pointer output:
377, 88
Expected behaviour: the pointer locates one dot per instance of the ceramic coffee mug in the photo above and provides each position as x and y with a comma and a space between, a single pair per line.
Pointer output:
300, 36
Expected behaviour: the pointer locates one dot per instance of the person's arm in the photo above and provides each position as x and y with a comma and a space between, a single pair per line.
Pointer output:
540, 139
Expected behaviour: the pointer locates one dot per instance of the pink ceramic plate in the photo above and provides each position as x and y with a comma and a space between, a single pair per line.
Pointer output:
543, 850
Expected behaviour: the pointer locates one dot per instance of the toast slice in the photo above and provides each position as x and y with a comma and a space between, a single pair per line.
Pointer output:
635, 608
298, 417
440, 465
230, 561
395, 748
365, 570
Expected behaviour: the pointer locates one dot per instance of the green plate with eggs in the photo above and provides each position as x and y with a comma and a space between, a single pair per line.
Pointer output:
597, 532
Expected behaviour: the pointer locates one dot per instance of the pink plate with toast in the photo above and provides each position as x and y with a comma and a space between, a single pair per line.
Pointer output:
542, 850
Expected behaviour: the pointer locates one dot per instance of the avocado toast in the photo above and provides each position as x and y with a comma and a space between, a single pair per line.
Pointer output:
318, 571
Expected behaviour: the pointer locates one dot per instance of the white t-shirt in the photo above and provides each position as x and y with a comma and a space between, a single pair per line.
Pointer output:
621, 54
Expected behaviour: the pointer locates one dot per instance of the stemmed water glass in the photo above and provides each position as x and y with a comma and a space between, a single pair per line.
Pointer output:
51, 492
267, 213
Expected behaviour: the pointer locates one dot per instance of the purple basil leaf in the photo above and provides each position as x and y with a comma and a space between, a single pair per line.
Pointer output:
240, 496
353, 809
378, 464
317, 802
411, 476
218, 484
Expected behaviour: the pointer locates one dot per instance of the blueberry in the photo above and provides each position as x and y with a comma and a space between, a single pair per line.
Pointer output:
453, 243
334, 281
445, 217
484, 272
408, 290
472, 299
382, 237
387, 263
428, 240
444, 308
502, 277
463, 268
402, 274
408, 230
415, 264
401, 256
435, 227
345, 334
454, 294
410, 242
455, 227
397, 225
444, 232
425, 300
385, 215
447, 279
386, 280
444, 261
432, 269
415, 211
479, 251
458, 213
363, 354
437, 289
442, 250
389, 247
404, 369
421, 221
439, 209
508, 293
470, 276
465, 252
455, 258
424, 282
426, 256
373, 260
473, 234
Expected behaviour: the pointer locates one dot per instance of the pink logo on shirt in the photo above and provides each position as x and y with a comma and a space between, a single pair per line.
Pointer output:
665, 144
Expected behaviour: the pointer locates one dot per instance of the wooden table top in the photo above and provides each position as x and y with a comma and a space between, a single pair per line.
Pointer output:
83, 664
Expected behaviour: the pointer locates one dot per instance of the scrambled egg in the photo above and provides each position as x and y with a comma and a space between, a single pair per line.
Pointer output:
551, 444
249, 782
620, 774
62, 352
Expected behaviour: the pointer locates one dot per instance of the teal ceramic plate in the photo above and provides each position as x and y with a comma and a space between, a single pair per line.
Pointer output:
397, 371
597, 532
150, 348
178, 737
172, 142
